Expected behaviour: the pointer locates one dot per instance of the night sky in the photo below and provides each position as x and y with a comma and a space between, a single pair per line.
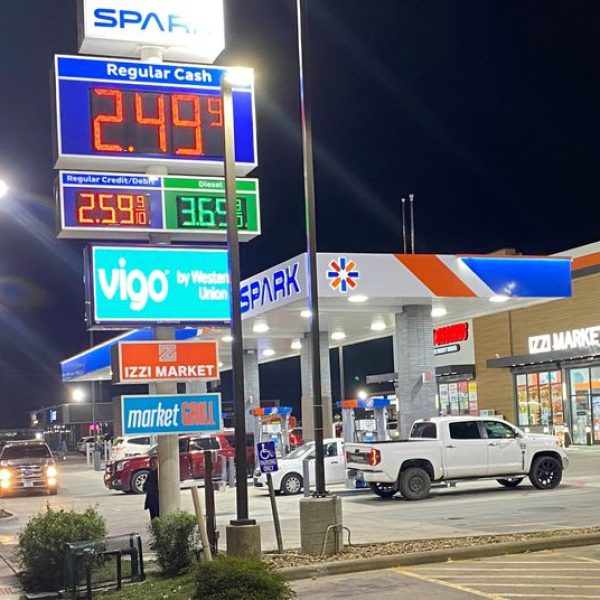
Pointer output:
486, 110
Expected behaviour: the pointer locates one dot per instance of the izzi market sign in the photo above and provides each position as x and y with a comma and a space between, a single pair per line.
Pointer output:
573, 339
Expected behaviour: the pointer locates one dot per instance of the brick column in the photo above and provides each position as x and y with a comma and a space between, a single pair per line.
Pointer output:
308, 432
413, 356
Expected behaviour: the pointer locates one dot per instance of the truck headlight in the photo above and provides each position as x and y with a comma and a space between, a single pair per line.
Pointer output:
51, 472
4, 474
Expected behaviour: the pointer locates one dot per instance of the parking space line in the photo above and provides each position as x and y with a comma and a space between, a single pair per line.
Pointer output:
544, 596
537, 585
586, 559
448, 584
544, 577
513, 569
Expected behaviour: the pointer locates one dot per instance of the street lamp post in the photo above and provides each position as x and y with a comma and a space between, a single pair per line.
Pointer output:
243, 535
311, 240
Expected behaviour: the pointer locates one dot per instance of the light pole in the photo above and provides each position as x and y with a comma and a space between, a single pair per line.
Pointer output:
311, 241
243, 535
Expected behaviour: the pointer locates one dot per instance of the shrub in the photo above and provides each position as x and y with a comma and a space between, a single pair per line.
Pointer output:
42, 545
174, 540
232, 578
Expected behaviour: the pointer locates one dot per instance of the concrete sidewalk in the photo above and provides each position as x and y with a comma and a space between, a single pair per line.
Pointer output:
10, 587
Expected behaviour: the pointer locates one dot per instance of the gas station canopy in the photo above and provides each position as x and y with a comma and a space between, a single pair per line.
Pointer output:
359, 295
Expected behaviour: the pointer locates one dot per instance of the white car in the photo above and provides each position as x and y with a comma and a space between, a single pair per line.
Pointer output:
288, 479
81, 444
124, 447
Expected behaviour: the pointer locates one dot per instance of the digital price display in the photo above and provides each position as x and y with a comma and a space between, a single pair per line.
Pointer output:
112, 209
144, 124
132, 207
124, 115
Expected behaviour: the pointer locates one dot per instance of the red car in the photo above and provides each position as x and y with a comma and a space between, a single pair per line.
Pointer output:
129, 474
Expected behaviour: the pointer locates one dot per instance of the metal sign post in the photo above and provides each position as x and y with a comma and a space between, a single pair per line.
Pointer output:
267, 462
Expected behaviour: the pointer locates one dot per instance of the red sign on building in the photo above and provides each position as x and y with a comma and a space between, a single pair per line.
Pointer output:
148, 362
451, 334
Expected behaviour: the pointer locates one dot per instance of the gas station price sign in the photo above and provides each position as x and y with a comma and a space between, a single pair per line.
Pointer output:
122, 115
130, 207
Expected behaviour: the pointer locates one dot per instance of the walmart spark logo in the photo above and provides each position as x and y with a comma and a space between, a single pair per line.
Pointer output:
343, 274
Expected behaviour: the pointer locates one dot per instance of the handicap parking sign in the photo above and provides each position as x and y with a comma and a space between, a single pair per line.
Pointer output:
267, 459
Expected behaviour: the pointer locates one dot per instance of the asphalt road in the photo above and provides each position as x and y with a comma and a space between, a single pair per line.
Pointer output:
473, 508
570, 573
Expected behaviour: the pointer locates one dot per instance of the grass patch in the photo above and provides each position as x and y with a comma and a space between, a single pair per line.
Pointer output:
157, 588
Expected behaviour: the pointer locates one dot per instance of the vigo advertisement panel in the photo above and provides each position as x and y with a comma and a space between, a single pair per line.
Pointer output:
134, 285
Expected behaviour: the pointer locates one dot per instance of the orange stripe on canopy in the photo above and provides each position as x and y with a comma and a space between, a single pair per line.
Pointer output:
432, 272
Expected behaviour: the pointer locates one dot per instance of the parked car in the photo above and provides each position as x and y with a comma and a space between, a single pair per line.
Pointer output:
125, 447
446, 449
288, 480
27, 466
81, 444
129, 474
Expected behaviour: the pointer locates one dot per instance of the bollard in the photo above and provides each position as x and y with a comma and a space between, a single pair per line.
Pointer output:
223, 481
306, 477
88, 454
209, 500
231, 471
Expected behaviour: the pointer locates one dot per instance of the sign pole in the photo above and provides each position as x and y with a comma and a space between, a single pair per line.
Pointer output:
276, 521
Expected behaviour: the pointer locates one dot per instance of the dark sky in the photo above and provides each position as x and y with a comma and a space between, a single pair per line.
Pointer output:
487, 110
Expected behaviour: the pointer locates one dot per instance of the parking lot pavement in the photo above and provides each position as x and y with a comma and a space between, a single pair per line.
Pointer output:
570, 574
469, 509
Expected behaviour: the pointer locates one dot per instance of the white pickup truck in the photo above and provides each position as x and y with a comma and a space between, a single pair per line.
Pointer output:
447, 449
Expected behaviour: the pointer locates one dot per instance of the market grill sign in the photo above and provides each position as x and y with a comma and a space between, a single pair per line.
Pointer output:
188, 30
573, 339
129, 286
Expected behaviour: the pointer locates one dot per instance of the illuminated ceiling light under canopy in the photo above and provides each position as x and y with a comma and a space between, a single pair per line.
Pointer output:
227, 339
378, 325
240, 76
3, 188
268, 352
498, 298
338, 335
260, 327
358, 298
438, 311
305, 314
296, 345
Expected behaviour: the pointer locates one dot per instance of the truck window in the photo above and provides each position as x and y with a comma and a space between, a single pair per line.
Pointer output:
465, 430
204, 444
496, 430
424, 430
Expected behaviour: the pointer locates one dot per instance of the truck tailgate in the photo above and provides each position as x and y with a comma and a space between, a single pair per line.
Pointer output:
361, 456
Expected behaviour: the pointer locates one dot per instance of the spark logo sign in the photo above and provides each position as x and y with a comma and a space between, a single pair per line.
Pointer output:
343, 274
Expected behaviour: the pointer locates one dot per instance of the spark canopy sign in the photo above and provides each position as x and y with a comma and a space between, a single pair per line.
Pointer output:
149, 285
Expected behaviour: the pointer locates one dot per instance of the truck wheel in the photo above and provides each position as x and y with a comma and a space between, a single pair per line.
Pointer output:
546, 472
291, 484
511, 482
138, 480
383, 490
414, 484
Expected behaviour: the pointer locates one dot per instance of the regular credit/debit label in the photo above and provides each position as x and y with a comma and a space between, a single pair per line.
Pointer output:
172, 413
143, 362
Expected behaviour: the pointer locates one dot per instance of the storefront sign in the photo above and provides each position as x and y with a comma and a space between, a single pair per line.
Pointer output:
188, 30
453, 344
133, 285
173, 413
123, 116
132, 206
147, 362
573, 339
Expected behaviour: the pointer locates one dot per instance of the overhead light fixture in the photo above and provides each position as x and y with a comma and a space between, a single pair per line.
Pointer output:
296, 345
221, 365
305, 314
338, 335
268, 352
362, 395
227, 339
239, 76
438, 311
260, 327
498, 298
358, 298
378, 325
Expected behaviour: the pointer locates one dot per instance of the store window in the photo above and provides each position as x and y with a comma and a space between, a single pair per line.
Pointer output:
458, 398
540, 398
585, 404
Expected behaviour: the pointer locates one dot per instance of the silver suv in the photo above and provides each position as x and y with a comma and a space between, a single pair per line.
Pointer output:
27, 466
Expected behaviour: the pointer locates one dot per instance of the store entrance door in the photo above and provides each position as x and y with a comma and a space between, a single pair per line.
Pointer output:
586, 419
